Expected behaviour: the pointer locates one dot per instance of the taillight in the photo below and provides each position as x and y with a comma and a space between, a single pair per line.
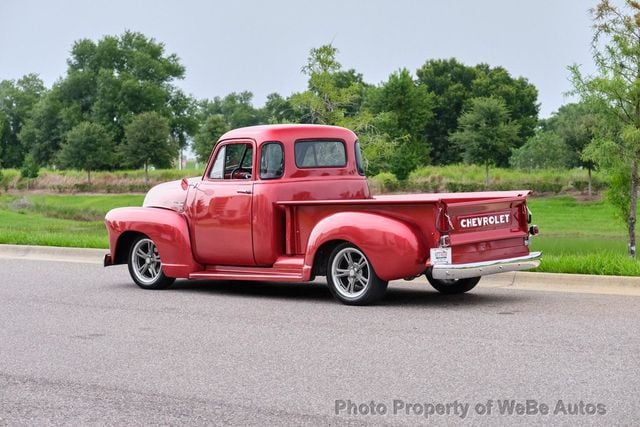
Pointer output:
533, 230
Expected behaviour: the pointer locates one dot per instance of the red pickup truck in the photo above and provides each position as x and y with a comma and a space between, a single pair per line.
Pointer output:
291, 202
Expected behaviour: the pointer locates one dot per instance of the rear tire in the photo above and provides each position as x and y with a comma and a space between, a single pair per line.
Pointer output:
452, 286
145, 266
351, 277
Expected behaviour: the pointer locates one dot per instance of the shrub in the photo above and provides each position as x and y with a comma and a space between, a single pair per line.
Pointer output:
384, 182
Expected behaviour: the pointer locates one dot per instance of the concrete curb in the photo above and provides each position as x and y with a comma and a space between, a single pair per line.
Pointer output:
52, 253
554, 282
522, 280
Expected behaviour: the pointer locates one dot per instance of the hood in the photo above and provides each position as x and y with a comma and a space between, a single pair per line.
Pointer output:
169, 195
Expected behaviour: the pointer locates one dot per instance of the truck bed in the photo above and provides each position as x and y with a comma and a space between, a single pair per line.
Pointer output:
459, 216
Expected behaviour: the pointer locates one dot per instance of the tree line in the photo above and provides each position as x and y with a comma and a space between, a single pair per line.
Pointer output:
118, 107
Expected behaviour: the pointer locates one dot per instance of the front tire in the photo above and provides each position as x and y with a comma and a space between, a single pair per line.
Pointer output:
145, 266
452, 286
351, 277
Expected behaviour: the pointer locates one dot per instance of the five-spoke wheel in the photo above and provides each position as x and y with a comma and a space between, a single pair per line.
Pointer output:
145, 266
351, 277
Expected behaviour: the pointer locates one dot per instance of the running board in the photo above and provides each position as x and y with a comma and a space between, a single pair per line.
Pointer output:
285, 269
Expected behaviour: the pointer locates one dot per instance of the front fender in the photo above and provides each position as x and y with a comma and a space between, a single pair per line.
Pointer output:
393, 247
168, 229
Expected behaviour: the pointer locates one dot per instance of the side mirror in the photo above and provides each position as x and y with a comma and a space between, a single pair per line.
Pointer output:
184, 183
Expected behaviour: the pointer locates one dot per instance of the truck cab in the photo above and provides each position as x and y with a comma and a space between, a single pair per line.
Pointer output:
251, 170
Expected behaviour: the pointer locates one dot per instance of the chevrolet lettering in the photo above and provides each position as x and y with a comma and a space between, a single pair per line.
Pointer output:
483, 221
289, 203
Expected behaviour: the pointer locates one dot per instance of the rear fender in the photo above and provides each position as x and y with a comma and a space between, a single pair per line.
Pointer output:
167, 228
393, 247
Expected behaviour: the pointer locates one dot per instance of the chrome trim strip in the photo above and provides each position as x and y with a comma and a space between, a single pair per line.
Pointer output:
475, 269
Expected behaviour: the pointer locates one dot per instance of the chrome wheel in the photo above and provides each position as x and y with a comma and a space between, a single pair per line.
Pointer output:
350, 272
351, 277
145, 262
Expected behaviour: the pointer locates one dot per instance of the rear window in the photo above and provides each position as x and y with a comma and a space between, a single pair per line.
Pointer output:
320, 154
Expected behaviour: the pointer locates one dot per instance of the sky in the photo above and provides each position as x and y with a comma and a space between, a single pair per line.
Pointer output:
260, 46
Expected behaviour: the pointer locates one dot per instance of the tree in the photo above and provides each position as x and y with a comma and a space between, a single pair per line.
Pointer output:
408, 109
236, 109
485, 131
44, 131
30, 169
519, 96
450, 81
545, 150
378, 148
110, 81
455, 85
277, 109
88, 146
183, 120
332, 92
204, 141
614, 90
16, 102
577, 124
147, 143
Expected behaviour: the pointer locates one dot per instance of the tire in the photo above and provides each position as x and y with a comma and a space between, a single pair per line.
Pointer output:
351, 277
452, 286
145, 266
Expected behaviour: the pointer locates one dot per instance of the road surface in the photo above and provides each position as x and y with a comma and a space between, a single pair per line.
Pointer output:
82, 345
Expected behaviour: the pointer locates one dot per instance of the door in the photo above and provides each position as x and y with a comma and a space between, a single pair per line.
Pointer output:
221, 209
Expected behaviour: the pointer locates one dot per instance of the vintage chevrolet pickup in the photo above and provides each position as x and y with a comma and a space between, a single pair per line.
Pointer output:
291, 202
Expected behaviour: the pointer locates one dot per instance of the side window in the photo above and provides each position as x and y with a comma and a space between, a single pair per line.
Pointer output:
359, 160
271, 161
217, 170
320, 154
233, 161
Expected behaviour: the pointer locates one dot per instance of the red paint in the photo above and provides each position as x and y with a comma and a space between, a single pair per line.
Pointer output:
265, 228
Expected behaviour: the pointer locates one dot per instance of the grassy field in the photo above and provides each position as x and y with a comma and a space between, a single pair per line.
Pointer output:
576, 237
58, 220
71, 181
459, 177
581, 237
426, 179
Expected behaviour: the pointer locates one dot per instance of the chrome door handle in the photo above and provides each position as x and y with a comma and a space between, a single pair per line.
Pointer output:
243, 191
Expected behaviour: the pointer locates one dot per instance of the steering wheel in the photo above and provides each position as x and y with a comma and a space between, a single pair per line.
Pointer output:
239, 169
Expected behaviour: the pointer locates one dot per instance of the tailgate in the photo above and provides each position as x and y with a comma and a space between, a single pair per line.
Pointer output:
484, 230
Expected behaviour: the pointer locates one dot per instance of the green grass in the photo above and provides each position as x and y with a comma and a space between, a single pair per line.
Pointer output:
34, 229
58, 220
581, 237
575, 237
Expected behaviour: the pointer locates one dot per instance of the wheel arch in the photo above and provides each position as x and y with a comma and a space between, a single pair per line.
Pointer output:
394, 248
321, 257
123, 246
168, 230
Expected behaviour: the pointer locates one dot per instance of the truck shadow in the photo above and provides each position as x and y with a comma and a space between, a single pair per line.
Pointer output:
319, 292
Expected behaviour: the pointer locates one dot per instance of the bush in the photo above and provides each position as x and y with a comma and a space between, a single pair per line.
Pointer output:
8, 178
384, 182
456, 187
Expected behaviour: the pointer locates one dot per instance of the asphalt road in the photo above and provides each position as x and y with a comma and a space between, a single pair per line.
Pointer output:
81, 345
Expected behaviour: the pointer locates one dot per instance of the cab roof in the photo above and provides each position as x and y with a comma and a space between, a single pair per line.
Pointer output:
289, 132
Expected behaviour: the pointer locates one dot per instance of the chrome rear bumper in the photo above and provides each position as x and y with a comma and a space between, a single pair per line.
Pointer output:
475, 269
